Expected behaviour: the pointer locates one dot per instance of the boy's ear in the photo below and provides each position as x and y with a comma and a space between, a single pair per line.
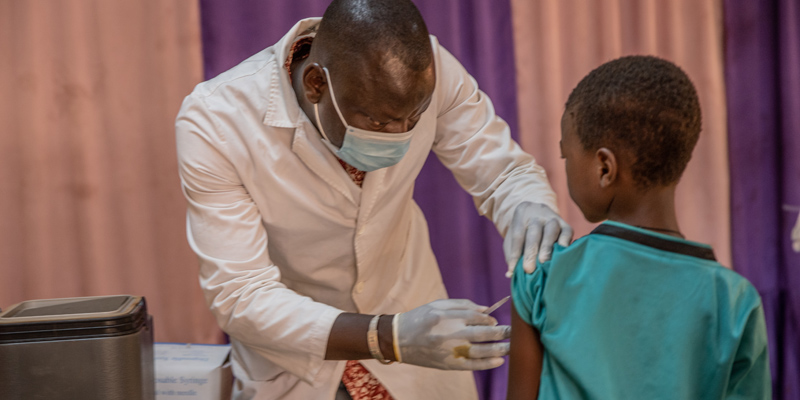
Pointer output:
607, 167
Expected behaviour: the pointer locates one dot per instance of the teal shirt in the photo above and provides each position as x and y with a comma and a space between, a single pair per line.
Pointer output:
626, 313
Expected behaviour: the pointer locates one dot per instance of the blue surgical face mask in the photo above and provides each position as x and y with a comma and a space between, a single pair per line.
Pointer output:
363, 149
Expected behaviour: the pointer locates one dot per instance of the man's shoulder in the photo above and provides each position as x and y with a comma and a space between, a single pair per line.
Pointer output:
249, 75
260, 70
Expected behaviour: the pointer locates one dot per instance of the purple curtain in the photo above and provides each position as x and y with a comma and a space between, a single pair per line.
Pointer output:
233, 30
762, 45
478, 33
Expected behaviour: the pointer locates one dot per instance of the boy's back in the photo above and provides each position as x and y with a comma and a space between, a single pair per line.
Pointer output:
627, 313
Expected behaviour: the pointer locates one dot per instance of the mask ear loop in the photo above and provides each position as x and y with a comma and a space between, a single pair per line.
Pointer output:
333, 98
319, 123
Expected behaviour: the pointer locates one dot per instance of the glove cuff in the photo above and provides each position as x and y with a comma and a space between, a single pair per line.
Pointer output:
395, 342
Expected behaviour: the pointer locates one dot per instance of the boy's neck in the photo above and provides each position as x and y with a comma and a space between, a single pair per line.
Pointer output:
653, 209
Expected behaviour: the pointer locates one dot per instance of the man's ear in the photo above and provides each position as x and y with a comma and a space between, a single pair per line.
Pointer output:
607, 167
314, 82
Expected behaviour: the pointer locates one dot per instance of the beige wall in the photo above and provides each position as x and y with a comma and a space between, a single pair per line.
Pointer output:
90, 202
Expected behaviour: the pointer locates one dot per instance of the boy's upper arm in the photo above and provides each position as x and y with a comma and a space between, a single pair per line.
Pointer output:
525, 359
527, 318
750, 375
527, 291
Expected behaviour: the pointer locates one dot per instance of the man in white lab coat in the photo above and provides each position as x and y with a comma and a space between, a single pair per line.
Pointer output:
299, 165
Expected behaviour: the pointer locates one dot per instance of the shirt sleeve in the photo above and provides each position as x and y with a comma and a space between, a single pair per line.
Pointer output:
527, 291
476, 146
242, 286
750, 375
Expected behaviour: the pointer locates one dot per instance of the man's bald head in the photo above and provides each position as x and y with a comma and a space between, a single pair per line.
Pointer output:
379, 57
353, 31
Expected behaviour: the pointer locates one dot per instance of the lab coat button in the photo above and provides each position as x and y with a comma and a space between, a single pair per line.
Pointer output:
359, 287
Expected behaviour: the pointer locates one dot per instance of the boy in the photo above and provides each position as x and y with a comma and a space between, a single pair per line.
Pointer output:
634, 310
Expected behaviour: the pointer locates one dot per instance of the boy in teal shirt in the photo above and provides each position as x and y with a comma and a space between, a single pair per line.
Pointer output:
634, 310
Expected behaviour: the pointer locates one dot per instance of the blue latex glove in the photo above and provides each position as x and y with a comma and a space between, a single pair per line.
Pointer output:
452, 334
534, 229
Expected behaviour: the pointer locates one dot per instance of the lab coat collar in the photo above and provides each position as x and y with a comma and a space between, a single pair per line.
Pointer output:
308, 145
320, 160
283, 111
282, 107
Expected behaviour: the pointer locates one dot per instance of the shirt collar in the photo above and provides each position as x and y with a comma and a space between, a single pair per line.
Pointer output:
283, 111
655, 240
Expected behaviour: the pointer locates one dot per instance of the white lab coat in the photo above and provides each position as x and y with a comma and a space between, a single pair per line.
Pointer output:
286, 241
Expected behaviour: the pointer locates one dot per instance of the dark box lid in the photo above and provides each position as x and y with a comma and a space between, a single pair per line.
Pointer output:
72, 318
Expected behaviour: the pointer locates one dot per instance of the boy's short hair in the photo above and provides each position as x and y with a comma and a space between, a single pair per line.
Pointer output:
644, 107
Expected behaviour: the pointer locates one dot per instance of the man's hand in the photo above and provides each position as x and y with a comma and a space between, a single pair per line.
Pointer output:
534, 229
451, 334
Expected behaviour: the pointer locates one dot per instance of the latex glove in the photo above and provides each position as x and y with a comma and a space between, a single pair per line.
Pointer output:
534, 229
451, 334
796, 235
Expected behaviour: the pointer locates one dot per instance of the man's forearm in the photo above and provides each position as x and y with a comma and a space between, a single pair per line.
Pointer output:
348, 337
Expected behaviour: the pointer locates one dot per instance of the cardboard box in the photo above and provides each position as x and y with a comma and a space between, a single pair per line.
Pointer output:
192, 371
